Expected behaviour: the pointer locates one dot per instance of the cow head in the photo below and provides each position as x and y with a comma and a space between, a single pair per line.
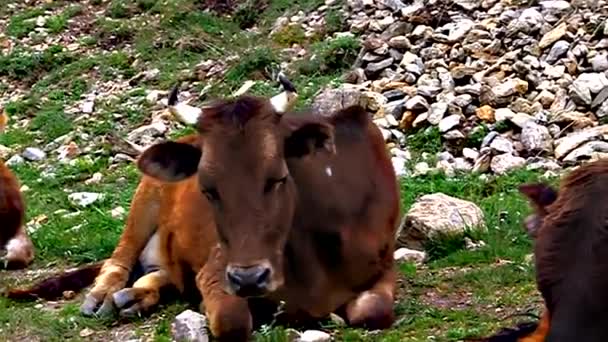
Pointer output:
241, 167
540, 196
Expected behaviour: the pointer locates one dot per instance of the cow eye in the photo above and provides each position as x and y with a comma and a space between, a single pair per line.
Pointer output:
211, 194
272, 183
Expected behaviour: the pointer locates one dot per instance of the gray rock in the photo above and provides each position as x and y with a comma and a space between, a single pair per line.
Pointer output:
190, 326
510, 87
539, 163
417, 103
400, 42
314, 336
535, 138
503, 163
448, 123
438, 110
152, 130
379, 66
15, 160
394, 94
454, 135
332, 100
600, 98
428, 91
468, 5
557, 51
395, 108
520, 119
399, 165
84, 199
554, 71
565, 145
438, 214
470, 153
502, 114
501, 144
600, 62
603, 110
586, 151
409, 255
394, 5
487, 140
33, 154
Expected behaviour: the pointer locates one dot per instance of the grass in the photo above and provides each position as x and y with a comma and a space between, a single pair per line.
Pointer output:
459, 293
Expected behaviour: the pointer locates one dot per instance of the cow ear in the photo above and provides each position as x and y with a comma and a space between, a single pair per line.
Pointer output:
308, 139
170, 161
540, 194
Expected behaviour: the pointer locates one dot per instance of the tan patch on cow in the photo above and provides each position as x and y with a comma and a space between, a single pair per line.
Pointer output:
269, 146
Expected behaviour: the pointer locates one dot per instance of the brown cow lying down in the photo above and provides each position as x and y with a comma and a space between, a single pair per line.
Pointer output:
293, 208
571, 253
13, 236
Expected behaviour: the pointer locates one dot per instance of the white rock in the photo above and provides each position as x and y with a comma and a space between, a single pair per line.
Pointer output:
399, 165
502, 114
406, 254
501, 144
586, 150
421, 168
438, 214
88, 106
535, 137
449, 122
83, 199
154, 129
15, 160
189, 326
33, 154
118, 212
571, 141
314, 336
504, 163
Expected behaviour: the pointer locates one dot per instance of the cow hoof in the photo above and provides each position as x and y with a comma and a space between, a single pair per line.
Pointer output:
99, 301
371, 311
134, 301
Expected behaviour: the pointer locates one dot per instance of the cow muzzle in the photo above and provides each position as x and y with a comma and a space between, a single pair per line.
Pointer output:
251, 281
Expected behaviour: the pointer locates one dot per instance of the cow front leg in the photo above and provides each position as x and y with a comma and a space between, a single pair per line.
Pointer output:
229, 316
113, 276
373, 309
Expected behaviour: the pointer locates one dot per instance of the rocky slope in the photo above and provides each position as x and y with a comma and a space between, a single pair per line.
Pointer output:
506, 84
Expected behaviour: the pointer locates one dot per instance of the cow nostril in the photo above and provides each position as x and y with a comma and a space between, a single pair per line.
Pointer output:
263, 276
234, 278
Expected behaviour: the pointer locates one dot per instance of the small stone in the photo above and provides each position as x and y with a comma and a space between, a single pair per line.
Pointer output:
485, 113
449, 122
86, 332
15, 160
87, 107
436, 113
586, 150
153, 130
190, 326
33, 154
501, 144
557, 51
118, 212
545, 98
421, 168
470, 153
84, 199
520, 119
502, 114
554, 71
314, 336
554, 35
510, 87
503, 163
600, 62
417, 103
400, 42
379, 66
535, 138
399, 166
96, 178
409, 255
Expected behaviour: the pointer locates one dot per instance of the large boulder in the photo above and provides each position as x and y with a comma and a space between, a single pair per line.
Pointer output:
334, 99
438, 214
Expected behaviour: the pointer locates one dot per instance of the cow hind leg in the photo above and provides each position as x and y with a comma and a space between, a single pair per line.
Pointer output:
19, 251
143, 296
373, 309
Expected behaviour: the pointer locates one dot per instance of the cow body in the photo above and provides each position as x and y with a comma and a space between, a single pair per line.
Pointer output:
570, 232
299, 209
13, 236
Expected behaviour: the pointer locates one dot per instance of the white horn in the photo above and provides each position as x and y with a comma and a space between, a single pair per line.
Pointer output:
285, 100
184, 112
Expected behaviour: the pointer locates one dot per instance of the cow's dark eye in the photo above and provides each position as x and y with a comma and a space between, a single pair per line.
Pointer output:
272, 183
211, 194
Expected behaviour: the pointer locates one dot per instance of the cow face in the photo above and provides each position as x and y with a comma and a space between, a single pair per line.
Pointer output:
242, 171
540, 196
